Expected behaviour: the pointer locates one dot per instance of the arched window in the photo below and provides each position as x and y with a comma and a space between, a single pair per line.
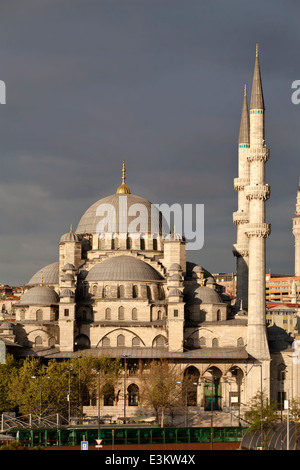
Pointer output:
38, 341
129, 243
160, 342
121, 340
39, 315
133, 395
161, 293
108, 395
121, 292
94, 289
106, 342
159, 317
135, 292
51, 342
240, 342
202, 341
107, 313
215, 342
121, 313
134, 314
218, 315
106, 291
149, 293
136, 341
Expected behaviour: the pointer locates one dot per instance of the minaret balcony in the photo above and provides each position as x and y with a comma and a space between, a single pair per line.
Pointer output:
258, 230
258, 191
240, 183
240, 250
260, 154
240, 217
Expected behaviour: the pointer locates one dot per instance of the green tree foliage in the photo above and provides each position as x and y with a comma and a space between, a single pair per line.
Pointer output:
262, 415
29, 386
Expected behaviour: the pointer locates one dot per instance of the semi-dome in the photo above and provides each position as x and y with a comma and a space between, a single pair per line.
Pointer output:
123, 268
39, 295
49, 274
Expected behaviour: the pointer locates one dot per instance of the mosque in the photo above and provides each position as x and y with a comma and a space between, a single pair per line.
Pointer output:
135, 295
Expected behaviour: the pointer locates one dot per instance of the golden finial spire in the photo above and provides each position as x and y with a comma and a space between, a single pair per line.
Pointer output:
245, 90
123, 189
42, 279
256, 49
71, 228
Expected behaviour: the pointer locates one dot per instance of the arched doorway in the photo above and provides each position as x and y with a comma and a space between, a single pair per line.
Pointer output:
191, 379
133, 395
212, 389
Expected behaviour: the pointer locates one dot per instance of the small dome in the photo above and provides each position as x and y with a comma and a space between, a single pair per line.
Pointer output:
123, 268
175, 267
67, 293
175, 293
70, 237
202, 295
39, 295
49, 274
68, 267
198, 269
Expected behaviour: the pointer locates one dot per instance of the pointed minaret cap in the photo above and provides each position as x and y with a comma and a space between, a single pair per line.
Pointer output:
257, 98
244, 137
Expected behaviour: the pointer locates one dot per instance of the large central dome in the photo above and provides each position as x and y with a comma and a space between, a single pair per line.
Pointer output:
126, 212
122, 212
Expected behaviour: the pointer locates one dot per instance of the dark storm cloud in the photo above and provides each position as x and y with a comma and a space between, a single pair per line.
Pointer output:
157, 83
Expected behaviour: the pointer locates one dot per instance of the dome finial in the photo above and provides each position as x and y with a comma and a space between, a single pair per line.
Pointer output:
123, 189
71, 228
257, 49
42, 279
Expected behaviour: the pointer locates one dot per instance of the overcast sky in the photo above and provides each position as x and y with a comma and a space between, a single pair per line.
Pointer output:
158, 83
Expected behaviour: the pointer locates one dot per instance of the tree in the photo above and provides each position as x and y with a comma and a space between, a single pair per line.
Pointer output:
163, 387
29, 386
295, 417
262, 415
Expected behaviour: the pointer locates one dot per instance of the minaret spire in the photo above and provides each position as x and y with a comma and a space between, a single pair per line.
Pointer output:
241, 217
244, 137
257, 98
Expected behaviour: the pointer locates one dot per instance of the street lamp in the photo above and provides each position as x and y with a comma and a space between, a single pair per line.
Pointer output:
186, 401
68, 371
98, 373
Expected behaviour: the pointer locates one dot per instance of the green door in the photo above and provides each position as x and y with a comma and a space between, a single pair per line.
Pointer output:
212, 396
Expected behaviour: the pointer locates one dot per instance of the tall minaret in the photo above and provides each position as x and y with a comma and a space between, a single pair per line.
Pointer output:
296, 233
257, 230
241, 217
